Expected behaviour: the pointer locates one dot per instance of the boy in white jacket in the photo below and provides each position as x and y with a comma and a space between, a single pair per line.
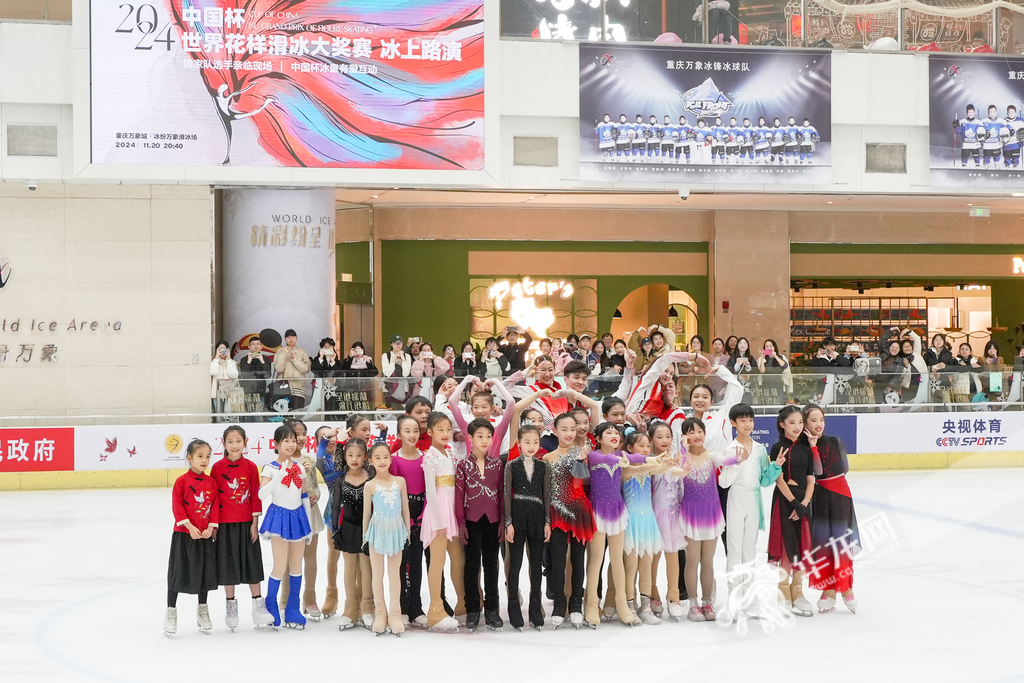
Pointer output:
744, 515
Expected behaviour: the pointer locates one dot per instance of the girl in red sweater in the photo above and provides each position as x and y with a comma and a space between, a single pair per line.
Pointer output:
192, 566
239, 557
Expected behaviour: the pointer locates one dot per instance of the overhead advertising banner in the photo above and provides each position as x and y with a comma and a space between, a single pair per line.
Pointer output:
389, 84
976, 129
675, 114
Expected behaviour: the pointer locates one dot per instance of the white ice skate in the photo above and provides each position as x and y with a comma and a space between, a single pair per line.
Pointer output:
420, 621
556, 622
367, 620
647, 615
657, 607
312, 612
345, 623
171, 622
850, 602
802, 608
262, 620
203, 619
826, 604
231, 614
576, 619
695, 612
675, 610
608, 613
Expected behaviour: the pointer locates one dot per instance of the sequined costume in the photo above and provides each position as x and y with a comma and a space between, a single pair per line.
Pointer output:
570, 507
666, 498
610, 516
439, 511
701, 509
386, 532
642, 532
349, 535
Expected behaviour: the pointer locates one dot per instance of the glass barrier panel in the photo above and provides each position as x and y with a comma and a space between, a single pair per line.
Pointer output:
826, 28
949, 34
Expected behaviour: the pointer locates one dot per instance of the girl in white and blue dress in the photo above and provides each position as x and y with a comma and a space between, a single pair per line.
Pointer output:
386, 530
285, 522
643, 537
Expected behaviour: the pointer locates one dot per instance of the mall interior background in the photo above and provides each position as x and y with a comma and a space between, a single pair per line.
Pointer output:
138, 246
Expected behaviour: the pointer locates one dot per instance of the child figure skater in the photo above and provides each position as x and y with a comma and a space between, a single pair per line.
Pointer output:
608, 466
239, 558
479, 508
643, 538
834, 533
527, 500
666, 498
789, 529
286, 523
408, 464
744, 515
700, 514
439, 530
348, 539
572, 521
316, 523
192, 566
326, 446
386, 525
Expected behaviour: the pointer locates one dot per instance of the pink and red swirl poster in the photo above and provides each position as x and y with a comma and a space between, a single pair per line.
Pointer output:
389, 84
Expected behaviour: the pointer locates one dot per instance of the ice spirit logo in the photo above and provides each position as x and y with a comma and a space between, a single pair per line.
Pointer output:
953, 70
606, 60
706, 100
5, 273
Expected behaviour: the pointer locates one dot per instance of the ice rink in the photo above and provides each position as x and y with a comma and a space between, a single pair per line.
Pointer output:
940, 585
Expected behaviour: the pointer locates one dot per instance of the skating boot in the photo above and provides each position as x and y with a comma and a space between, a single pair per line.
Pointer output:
472, 621
271, 602
850, 600
801, 607
675, 610
203, 618
631, 617
493, 621
556, 621
420, 621
576, 619
292, 614
827, 602
657, 607
536, 615
330, 607
380, 620
695, 612
261, 618
647, 615
592, 611
515, 614
395, 623
437, 620
171, 622
309, 606
708, 610
785, 597
367, 621
231, 614
608, 613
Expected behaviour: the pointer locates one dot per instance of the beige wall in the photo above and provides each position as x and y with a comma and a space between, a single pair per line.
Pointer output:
752, 274
139, 255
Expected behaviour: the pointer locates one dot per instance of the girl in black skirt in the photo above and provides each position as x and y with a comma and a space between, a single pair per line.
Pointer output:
348, 537
192, 567
239, 558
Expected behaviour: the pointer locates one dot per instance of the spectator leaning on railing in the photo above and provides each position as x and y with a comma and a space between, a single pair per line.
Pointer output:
358, 364
292, 364
255, 371
222, 368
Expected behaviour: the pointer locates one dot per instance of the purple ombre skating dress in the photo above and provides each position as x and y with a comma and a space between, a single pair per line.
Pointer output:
701, 509
610, 515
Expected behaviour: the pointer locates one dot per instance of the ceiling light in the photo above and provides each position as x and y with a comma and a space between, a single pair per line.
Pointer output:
373, 196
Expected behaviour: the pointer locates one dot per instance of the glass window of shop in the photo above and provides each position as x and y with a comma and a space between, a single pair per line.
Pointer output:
35, 10
839, 24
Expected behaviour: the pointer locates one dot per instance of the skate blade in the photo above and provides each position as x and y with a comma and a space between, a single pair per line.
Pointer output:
170, 635
268, 627
496, 630
441, 629
592, 627
205, 631
345, 627
296, 626
802, 613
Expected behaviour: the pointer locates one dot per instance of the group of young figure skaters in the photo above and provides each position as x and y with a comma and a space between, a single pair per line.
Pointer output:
650, 481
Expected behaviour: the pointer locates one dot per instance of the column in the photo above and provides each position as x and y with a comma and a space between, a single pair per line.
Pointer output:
278, 265
751, 272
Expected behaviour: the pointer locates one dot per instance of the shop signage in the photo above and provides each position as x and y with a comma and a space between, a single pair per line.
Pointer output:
976, 127
1018, 265
5, 273
523, 308
324, 84
679, 114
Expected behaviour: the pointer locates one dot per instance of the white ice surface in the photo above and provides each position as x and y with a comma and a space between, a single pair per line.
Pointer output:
82, 590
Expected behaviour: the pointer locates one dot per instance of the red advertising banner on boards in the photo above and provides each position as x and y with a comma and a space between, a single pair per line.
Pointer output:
37, 449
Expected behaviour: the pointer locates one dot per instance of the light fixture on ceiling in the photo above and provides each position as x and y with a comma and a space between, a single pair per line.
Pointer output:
929, 288
617, 315
672, 312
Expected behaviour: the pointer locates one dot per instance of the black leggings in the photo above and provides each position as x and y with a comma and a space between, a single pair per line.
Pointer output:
411, 570
172, 598
483, 544
560, 541
536, 543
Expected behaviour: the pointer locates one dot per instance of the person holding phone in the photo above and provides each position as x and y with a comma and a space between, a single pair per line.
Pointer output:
254, 371
495, 363
467, 363
292, 363
222, 371
515, 352
429, 365
358, 364
775, 368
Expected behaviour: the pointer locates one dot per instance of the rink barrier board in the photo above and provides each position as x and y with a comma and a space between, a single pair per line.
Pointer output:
132, 479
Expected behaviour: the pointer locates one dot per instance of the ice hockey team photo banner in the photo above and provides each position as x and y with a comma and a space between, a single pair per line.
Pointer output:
391, 84
975, 126
669, 113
